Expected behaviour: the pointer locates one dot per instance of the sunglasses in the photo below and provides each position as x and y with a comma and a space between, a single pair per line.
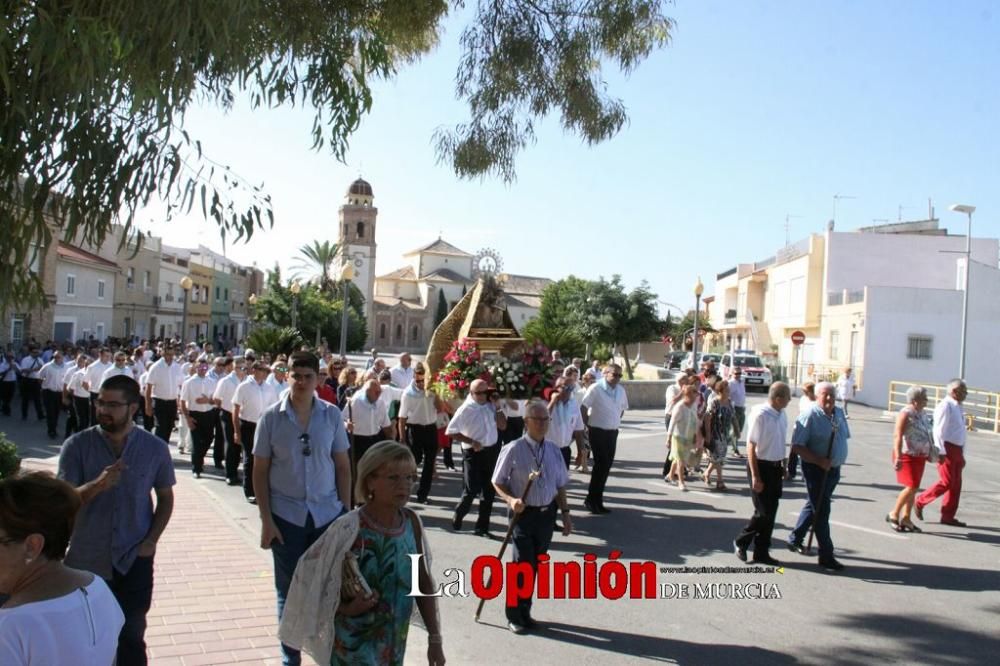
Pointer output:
304, 440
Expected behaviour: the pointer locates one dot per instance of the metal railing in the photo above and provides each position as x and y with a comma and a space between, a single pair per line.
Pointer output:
982, 408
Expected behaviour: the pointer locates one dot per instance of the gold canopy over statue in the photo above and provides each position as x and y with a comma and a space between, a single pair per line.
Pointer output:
481, 317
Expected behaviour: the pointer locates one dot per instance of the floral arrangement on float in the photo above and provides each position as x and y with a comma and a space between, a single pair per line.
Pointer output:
523, 377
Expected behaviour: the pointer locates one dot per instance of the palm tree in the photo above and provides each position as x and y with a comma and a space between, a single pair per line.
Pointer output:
316, 262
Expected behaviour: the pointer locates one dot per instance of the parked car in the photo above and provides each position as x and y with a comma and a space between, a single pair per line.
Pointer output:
755, 373
703, 357
673, 360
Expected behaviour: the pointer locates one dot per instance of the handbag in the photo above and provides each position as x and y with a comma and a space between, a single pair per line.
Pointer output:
353, 583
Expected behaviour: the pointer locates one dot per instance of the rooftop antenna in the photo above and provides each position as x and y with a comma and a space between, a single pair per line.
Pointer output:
788, 239
837, 197
899, 214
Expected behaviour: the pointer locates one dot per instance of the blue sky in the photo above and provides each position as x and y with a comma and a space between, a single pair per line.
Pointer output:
756, 110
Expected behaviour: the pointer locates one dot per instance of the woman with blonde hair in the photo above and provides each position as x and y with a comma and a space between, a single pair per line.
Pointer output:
912, 445
330, 616
684, 434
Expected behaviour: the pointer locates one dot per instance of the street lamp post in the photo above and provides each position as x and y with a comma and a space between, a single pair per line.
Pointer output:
699, 289
186, 283
346, 275
253, 313
295, 289
967, 210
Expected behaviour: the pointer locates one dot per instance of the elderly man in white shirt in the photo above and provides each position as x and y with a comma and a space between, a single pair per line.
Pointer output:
949, 436
402, 373
475, 424
766, 452
367, 420
198, 409
606, 403
93, 377
120, 367
225, 391
738, 396
163, 387
77, 397
566, 425
252, 397
52, 376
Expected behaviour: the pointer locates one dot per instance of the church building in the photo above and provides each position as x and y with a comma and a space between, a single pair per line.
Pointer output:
400, 306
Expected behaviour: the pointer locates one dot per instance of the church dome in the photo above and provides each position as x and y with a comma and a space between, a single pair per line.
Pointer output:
360, 187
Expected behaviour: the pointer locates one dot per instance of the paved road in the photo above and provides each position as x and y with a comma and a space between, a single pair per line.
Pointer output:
905, 598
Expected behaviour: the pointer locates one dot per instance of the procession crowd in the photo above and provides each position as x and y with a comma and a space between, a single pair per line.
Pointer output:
330, 455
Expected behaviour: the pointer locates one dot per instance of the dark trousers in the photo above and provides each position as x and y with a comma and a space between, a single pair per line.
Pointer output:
81, 411
603, 444
447, 456
765, 508
233, 450
531, 538
739, 418
93, 407
423, 442
53, 405
219, 441
514, 429
31, 393
201, 438
247, 432
362, 443
793, 465
286, 556
816, 488
165, 412
566, 454
477, 477
7, 390
134, 592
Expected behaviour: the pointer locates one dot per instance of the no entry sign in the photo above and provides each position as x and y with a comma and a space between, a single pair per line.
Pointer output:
798, 337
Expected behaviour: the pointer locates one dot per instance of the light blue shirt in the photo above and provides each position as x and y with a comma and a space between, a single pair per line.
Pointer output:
302, 485
813, 429
522, 457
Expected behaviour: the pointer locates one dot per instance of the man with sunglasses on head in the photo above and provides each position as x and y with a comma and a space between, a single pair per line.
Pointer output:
301, 475
252, 397
368, 419
117, 467
418, 410
606, 403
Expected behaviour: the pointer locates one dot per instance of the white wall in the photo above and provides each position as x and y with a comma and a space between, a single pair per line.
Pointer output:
171, 274
433, 262
857, 260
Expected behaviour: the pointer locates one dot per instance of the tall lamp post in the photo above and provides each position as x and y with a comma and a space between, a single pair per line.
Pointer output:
346, 275
253, 313
186, 284
295, 289
967, 210
699, 289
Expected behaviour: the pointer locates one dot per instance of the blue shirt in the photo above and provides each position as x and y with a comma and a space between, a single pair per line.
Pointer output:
522, 457
302, 485
110, 528
813, 428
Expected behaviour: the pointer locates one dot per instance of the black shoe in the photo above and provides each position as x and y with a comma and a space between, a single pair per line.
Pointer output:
741, 552
532, 624
456, 523
423, 500
591, 507
919, 510
197, 475
252, 500
831, 565
796, 547
516, 628
233, 482
604, 509
483, 533
953, 522
765, 559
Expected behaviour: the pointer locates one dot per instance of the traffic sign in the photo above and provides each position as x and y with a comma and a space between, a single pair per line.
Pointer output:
798, 337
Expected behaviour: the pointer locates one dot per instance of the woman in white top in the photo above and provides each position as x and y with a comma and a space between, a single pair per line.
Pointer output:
55, 614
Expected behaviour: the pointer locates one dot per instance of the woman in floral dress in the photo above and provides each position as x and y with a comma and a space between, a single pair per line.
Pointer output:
719, 415
683, 434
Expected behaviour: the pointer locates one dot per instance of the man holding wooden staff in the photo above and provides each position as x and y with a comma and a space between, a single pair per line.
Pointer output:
534, 516
820, 440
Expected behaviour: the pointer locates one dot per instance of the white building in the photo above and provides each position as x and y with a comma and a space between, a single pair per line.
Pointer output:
885, 301
85, 295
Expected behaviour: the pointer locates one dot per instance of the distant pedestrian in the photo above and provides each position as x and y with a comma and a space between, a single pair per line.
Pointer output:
476, 424
163, 386
52, 376
198, 409
684, 435
719, 416
252, 397
949, 435
31, 384
738, 396
846, 388
913, 443
807, 401
606, 403
418, 411
8, 381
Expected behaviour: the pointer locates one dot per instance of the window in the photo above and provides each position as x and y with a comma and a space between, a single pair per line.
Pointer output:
170, 294
34, 261
834, 345
216, 293
919, 346
399, 332
195, 293
361, 229
204, 295
16, 332
71, 285
347, 230
147, 281
100, 289
100, 332
415, 334
130, 278
381, 331
226, 294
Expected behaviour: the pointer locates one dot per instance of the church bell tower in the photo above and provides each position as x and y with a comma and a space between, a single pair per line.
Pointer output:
356, 241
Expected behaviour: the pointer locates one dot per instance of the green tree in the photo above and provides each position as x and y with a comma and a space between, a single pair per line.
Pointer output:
93, 97
315, 264
442, 309
566, 340
640, 321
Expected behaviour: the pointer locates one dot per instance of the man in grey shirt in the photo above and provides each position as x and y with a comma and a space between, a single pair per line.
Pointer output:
116, 467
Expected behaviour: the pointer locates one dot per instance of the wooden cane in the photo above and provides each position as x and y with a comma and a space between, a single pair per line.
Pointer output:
822, 490
507, 537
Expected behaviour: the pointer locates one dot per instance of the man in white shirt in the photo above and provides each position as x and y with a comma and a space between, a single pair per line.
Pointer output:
77, 397
949, 436
163, 384
8, 381
225, 391
198, 409
766, 449
278, 380
606, 404
845, 389
252, 397
367, 420
594, 371
31, 385
402, 373
391, 395
566, 424
738, 396
52, 375
92, 380
120, 367
475, 425
418, 410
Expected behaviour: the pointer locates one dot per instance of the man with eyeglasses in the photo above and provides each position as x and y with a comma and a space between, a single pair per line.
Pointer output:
278, 377
117, 467
418, 410
163, 386
301, 475
606, 403
475, 425
252, 397
225, 390
567, 421
532, 533
198, 409
368, 419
